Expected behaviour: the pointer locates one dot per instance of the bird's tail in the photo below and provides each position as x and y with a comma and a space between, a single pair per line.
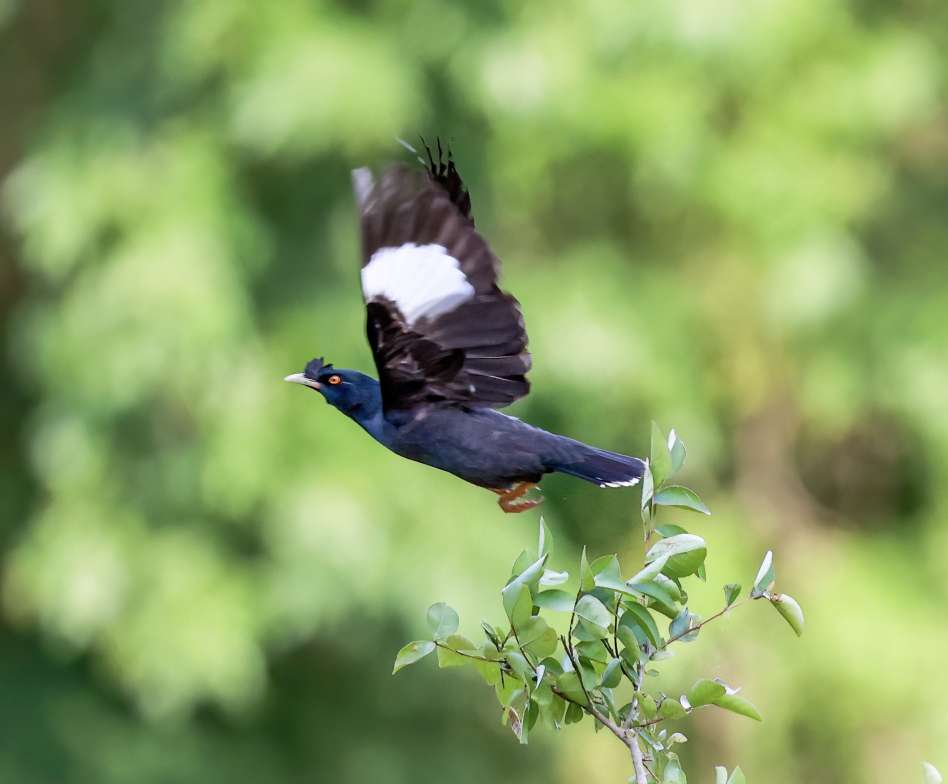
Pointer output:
606, 469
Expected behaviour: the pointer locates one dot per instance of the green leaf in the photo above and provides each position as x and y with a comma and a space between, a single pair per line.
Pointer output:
586, 581
606, 596
545, 543
518, 606
737, 777
669, 529
673, 773
660, 458
647, 706
631, 651
543, 694
523, 561
680, 624
442, 620
530, 576
555, 715
671, 587
637, 617
594, 650
720, 775
731, 592
791, 611
932, 776
607, 566
586, 630
606, 583
663, 602
681, 497
520, 666
589, 608
608, 576
537, 637
506, 689
676, 447
448, 657
491, 633
574, 713
675, 737
489, 670
650, 572
765, 576
533, 713
612, 675
648, 490
686, 554
560, 601
551, 577
581, 633
671, 709
412, 653
588, 674
737, 704
512, 595
569, 684
679, 627
705, 692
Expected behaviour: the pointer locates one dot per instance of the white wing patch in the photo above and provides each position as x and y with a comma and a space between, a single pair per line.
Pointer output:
422, 280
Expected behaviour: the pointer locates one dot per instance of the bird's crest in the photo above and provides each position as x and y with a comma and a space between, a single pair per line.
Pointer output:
316, 366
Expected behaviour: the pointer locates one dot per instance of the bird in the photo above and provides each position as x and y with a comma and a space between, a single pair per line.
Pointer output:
449, 345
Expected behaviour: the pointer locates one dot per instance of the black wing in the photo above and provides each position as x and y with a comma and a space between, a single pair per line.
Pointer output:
440, 329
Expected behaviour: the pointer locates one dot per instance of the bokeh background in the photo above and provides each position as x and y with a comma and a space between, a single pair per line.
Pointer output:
730, 216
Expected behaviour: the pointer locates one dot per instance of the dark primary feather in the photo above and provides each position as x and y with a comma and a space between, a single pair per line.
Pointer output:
472, 355
445, 173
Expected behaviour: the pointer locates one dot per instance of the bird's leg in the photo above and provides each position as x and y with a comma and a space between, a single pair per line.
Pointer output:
509, 499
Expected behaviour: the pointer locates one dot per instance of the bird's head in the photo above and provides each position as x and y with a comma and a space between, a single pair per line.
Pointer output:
348, 390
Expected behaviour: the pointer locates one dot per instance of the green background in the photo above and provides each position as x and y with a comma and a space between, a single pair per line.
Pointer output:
725, 215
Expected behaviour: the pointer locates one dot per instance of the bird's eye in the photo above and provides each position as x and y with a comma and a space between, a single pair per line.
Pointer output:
334, 380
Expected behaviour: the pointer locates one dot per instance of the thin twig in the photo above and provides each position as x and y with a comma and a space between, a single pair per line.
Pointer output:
706, 621
522, 651
499, 662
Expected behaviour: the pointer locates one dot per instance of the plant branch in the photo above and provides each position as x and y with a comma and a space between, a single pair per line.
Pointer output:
628, 737
698, 626
637, 763
499, 662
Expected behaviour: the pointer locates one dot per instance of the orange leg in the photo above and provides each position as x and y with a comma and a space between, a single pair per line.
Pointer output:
509, 499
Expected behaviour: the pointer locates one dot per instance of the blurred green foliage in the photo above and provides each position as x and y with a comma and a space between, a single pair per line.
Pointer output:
729, 215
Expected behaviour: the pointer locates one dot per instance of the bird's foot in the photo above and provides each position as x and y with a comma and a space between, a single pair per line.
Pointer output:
512, 500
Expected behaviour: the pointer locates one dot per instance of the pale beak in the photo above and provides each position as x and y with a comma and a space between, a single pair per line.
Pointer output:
299, 378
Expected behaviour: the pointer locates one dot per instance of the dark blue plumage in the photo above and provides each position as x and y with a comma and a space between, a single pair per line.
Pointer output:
449, 346
480, 445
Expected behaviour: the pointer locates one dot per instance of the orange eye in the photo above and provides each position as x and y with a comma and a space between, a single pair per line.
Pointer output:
334, 380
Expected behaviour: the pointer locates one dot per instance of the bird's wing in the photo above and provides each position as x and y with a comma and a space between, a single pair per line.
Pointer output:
440, 328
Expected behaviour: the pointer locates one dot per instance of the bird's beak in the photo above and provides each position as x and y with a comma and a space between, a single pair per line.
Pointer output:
299, 378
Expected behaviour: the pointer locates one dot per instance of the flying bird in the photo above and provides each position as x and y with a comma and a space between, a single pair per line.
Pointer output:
449, 345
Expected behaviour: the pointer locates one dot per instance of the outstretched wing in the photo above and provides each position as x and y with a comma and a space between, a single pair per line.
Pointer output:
440, 328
